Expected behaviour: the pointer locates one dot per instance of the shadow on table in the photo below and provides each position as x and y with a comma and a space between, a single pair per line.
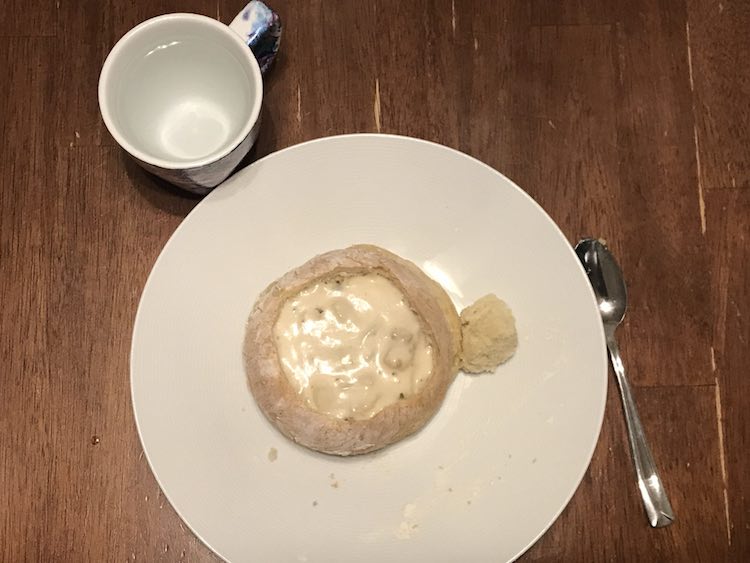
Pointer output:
156, 191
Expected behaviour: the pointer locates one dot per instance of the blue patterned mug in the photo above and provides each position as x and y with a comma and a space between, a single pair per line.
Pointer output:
182, 93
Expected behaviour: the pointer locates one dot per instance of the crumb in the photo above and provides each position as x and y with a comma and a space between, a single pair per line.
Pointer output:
335, 484
273, 454
468, 502
403, 532
95, 440
414, 526
440, 467
315, 503
450, 489
533, 460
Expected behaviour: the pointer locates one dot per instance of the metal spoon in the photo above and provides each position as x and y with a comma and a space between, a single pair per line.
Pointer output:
609, 287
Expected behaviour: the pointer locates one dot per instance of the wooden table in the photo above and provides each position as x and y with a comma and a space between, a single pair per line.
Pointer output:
625, 120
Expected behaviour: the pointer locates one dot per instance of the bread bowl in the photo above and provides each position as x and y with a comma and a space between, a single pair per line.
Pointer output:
355, 350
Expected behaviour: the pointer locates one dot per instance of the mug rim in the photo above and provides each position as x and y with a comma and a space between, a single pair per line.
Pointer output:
105, 110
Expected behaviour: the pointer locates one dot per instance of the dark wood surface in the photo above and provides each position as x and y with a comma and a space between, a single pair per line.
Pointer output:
625, 120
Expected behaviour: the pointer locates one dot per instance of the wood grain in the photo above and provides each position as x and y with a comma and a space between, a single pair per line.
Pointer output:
729, 234
20, 18
719, 43
593, 107
665, 251
417, 73
483, 41
573, 12
27, 164
567, 126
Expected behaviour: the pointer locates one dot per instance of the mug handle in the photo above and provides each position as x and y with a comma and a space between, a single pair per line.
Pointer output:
260, 28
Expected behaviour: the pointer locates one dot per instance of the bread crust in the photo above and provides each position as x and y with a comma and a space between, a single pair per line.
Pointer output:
284, 407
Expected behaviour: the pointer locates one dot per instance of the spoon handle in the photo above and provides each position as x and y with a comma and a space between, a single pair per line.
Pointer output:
654, 496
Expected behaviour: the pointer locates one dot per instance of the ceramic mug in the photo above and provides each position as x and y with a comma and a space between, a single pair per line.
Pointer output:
182, 93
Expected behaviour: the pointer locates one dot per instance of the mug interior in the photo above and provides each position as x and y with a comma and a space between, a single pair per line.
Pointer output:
180, 90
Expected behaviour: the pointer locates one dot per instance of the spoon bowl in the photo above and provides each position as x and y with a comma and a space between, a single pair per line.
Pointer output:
606, 279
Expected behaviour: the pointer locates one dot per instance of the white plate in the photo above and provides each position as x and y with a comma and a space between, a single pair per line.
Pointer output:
489, 473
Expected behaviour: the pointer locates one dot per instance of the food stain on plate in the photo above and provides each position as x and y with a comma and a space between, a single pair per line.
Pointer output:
409, 523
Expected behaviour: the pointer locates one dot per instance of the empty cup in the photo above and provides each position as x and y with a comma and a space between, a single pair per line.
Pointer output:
182, 94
